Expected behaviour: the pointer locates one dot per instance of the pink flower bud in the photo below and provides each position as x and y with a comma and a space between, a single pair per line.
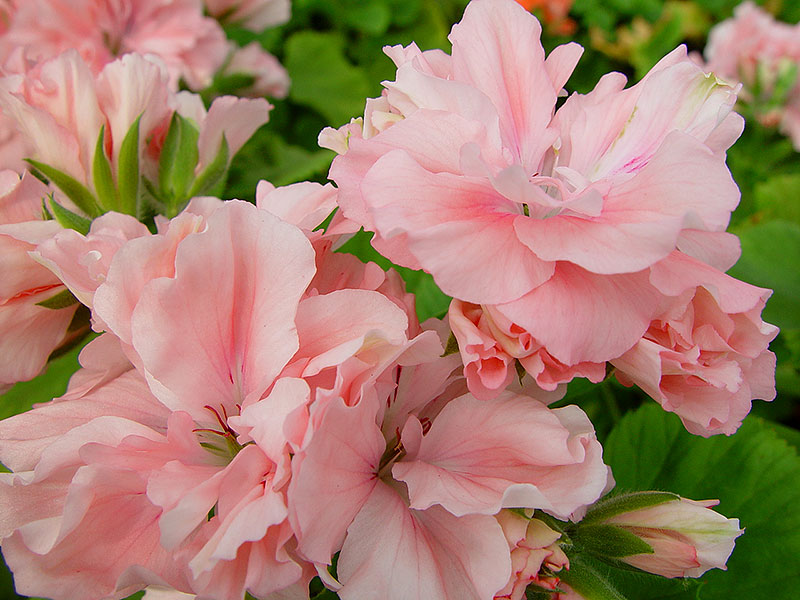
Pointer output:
687, 537
534, 547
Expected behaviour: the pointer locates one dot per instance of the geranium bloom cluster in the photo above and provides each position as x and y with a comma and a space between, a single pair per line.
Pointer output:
257, 410
570, 238
106, 142
764, 54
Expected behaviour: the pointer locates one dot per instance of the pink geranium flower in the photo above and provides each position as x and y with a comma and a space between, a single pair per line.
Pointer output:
255, 15
463, 168
431, 484
764, 54
705, 356
195, 399
60, 108
192, 46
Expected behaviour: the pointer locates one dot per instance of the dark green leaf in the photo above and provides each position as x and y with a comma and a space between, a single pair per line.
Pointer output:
323, 79
770, 255
72, 188
128, 171
63, 299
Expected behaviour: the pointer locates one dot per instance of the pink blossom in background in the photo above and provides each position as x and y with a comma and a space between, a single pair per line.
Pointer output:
28, 333
463, 168
269, 76
754, 48
60, 107
192, 46
705, 357
687, 537
255, 15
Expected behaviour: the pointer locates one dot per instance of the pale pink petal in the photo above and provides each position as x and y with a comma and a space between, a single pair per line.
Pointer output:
589, 317
236, 119
24, 437
333, 478
304, 204
82, 262
230, 307
497, 48
335, 326
421, 554
480, 456
460, 229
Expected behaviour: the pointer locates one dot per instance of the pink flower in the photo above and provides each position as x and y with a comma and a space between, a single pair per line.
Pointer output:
687, 537
705, 356
269, 77
192, 46
533, 546
461, 460
225, 384
255, 15
60, 108
764, 54
28, 332
491, 346
463, 165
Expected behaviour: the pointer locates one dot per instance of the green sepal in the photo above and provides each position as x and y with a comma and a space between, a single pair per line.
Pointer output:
70, 220
611, 506
102, 177
585, 579
72, 188
213, 174
178, 160
128, 171
610, 541
63, 299
452, 346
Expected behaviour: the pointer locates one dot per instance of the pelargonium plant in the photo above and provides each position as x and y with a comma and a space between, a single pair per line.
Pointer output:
258, 415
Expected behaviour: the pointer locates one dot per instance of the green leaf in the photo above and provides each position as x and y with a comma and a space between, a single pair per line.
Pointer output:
776, 198
102, 177
128, 171
609, 541
213, 173
178, 160
611, 506
770, 255
323, 79
63, 299
72, 188
586, 579
70, 220
754, 474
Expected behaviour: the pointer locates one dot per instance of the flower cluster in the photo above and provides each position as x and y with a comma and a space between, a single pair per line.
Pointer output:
764, 55
569, 238
258, 411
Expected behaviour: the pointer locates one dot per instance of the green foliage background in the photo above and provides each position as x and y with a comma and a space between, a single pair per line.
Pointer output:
332, 50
